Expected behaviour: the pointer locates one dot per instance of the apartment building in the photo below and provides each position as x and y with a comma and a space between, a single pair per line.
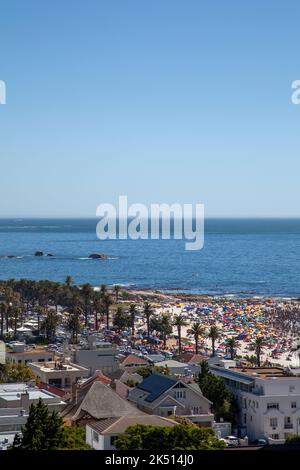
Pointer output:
268, 399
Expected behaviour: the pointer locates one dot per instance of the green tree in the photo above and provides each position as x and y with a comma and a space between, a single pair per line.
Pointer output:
74, 323
178, 437
179, 323
121, 319
232, 345
213, 334
132, 313
73, 438
10, 373
258, 345
107, 302
223, 401
49, 325
69, 281
42, 431
196, 331
148, 312
117, 292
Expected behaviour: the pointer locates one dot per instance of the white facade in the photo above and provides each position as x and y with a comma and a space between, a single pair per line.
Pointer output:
60, 375
99, 441
269, 402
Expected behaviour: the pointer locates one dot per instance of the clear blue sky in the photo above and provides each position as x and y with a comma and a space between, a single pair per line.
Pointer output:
165, 101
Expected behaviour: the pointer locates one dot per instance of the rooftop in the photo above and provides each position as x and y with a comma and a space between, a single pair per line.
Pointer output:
155, 385
261, 372
119, 425
33, 352
52, 366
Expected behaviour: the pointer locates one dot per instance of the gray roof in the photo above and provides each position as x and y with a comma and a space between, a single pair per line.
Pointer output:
119, 425
156, 385
103, 402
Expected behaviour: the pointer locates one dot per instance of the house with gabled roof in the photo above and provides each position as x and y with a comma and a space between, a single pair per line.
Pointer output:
102, 434
167, 396
96, 402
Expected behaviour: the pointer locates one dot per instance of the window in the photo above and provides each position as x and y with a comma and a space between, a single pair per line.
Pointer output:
272, 406
257, 404
294, 404
197, 410
292, 388
55, 382
95, 436
274, 436
273, 422
113, 440
245, 418
170, 412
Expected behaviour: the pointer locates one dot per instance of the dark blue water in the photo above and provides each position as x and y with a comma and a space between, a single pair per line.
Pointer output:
242, 257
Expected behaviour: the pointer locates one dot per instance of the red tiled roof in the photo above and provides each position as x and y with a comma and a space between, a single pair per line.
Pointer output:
132, 360
98, 376
50, 388
188, 357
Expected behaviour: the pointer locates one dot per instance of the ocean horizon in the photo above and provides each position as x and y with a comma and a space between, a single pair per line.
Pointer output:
242, 257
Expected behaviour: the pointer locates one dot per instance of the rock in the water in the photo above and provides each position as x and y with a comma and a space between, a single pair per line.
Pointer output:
39, 253
98, 256
49, 254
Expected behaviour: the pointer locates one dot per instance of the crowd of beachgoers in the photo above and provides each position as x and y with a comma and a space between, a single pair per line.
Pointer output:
276, 321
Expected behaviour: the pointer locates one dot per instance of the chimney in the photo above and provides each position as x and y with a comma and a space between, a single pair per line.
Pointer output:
25, 401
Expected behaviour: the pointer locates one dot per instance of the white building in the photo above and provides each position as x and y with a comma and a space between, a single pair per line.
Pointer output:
102, 434
268, 399
22, 395
59, 374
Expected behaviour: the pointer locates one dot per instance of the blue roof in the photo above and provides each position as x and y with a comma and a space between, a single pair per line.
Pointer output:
156, 384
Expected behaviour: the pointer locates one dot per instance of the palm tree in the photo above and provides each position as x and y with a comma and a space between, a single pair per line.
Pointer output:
179, 323
16, 311
148, 312
97, 307
232, 344
107, 302
3, 310
165, 328
196, 331
117, 291
87, 293
69, 281
258, 345
213, 335
39, 311
103, 290
132, 311
74, 323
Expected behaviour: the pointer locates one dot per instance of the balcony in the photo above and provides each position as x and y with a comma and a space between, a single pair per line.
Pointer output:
288, 425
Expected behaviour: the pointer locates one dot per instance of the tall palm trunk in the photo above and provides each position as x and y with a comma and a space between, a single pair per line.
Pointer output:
179, 339
213, 347
2, 324
196, 344
96, 319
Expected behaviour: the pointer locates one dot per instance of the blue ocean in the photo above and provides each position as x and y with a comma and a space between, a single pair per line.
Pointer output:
242, 257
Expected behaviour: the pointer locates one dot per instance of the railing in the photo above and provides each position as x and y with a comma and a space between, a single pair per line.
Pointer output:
288, 426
